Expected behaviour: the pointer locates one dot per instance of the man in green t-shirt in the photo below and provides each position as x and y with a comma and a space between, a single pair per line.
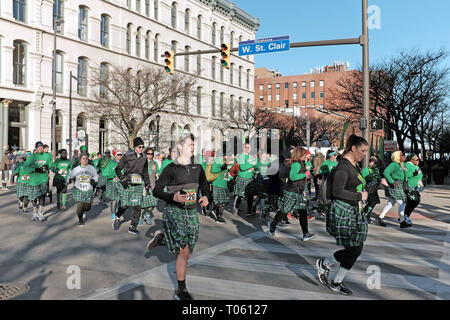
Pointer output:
39, 164
61, 168
247, 165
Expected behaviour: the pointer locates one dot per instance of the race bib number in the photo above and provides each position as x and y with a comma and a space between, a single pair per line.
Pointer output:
62, 172
191, 196
136, 179
116, 179
85, 182
227, 176
25, 178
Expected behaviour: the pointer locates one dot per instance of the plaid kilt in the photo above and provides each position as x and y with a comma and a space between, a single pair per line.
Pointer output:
131, 196
292, 201
346, 224
59, 182
112, 191
221, 195
274, 202
181, 228
261, 185
37, 191
148, 200
413, 195
240, 188
82, 196
22, 189
373, 199
396, 193
101, 181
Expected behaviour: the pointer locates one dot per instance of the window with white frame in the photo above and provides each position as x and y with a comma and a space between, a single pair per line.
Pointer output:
173, 20
82, 76
138, 41
199, 27
19, 62
83, 23
104, 30
129, 38
58, 13
187, 21
186, 59
19, 10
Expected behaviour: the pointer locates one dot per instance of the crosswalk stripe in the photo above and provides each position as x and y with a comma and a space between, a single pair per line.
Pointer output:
394, 280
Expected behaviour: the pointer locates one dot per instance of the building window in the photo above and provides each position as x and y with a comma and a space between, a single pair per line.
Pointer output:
313, 95
174, 49
269, 86
138, 6
19, 67
174, 15
232, 74
199, 64
129, 38
155, 9
213, 103
199, 27
213, 34
187, 21
156, 48
129, 4
278, 97
232, 39
186, 59
313, 83
286, 85
295, 96
103, 79
248, 79
261, 98
222, 35
322, 94
278, 86
269, 97
147, 8
304, 84
147, 45
221, 74
59, 72
104, 31
240, 108
261, 87
295, 85
19, 8
82, 77
82, 24
286, 103
232, 106
186, 99
213, 67
303, 95
240, 77
199, 100
58, 14
222, 103
138, 42
321, 83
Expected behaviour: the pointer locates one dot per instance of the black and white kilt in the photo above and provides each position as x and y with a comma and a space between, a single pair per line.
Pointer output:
148, 200
37, 191
413, 195
240, 188
22, 189
396, 193
112, 191
101, 181
346, 224
221, 195
82, 196
59, 182
292, 201
131, 196
181, 228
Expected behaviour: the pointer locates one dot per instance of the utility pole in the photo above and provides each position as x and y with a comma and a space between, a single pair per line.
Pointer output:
56, 22
366, 77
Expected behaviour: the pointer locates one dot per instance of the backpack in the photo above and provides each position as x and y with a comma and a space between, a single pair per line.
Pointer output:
210, 177
325, 195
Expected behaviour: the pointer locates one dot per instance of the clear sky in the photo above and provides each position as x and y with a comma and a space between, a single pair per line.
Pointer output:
405, 24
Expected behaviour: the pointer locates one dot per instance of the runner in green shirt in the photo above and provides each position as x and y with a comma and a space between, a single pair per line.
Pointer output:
61, 168
221, 194
22, 183
247, 165
329, 164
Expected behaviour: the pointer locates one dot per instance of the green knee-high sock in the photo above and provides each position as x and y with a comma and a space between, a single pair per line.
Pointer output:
64, 199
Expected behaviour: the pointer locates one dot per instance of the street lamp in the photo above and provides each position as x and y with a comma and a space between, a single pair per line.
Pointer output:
56, 22
158, 118
70, 113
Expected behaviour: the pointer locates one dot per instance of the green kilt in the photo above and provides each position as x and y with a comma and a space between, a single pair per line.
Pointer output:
396, 193
112, 191
241, 186
346, 224
59, 182
292, 201
181, 228
221, 195
131, 196
274, 202
101, 181
148, 199
413, 195
37, 191
22, 189
82, 196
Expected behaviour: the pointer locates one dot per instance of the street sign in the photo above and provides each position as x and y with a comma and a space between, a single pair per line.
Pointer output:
376, 124
266, 45
390, 145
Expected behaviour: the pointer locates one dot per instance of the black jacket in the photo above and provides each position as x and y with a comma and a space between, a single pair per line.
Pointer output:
131, 164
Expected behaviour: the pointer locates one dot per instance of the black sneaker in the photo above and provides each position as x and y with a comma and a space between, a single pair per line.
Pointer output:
116, 224
220, 220
183, 295
341, 288
133, 230
381, 222
157, 240
20, 205
286, 221
213, 215
81, 224
250, 214
322, 272
405, 224
308, 236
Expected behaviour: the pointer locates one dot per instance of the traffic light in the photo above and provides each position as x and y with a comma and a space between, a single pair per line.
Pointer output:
225, 61
376, 124
169, 61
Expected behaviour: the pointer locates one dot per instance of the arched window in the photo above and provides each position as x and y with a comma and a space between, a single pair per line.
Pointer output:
213, 67
186, 59
147, 45
222, 35
232, 39
174, 15
138, 6
138, 41
232, 106
173, 135
199, 27
222, 103
187, 129
187, 21
156, 48
232, 74
199, 100
82, 76
240, 76
199, 64
248, 79
82, 23
174, 49
213, 33
213, 103
153, 134
147, 8
103, 79
104, 31
129, 38
156, 10
82, 122
186, 99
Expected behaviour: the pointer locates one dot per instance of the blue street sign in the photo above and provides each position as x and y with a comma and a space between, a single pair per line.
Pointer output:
266, 45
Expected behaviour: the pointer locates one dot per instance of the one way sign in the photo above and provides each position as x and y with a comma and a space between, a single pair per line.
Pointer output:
376, 124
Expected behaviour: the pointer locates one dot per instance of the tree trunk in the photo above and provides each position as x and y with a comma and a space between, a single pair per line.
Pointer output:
130, 140
400, 140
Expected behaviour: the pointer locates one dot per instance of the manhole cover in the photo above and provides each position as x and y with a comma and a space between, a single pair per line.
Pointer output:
12, 290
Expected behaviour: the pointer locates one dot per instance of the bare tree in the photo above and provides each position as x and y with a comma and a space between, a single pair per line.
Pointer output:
128, 99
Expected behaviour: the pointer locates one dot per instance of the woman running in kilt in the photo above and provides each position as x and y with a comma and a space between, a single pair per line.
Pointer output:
262, 181
414, 176
39, 164
22, 186
112, 182
132, 171
395, 174
293, 195
84, 176
373, 179
149, 202
247, 165
102, 163
344, 220
181, 225
221, 194
61, 168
